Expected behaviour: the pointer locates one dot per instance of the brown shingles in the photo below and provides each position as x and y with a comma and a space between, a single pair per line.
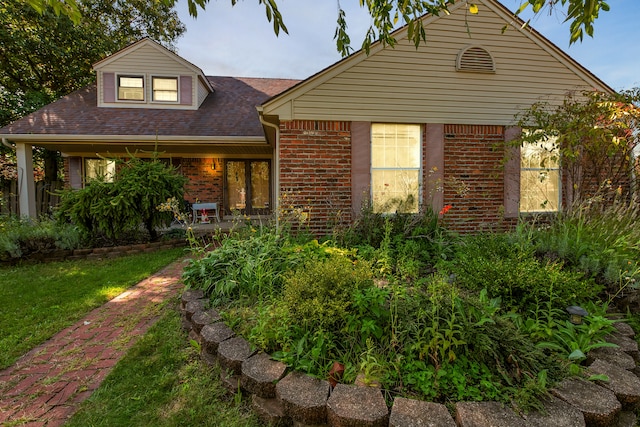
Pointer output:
229, 111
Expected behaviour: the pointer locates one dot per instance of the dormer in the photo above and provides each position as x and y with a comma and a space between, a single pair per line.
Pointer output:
148, 75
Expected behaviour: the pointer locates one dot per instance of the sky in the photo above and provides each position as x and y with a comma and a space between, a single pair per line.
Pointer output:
239, 41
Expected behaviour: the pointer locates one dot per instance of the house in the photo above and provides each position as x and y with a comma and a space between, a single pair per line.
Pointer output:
402, 127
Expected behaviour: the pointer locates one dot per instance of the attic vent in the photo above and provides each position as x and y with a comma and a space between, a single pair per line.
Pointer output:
475, 59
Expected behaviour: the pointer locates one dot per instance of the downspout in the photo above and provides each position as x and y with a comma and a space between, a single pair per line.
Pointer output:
276, 161
6, 144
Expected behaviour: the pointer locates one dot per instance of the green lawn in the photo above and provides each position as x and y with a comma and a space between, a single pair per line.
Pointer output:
40, 300
162, 382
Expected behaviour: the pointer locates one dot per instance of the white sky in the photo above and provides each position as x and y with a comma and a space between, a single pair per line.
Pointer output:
239, 41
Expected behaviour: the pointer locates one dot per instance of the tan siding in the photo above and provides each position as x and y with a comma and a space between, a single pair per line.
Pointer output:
147, 61
202, 92
423, 86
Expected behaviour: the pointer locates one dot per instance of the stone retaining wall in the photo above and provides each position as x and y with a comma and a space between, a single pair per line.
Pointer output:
95, 253
282, 397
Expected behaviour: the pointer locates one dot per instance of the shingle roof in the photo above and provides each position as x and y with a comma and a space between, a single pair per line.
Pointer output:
229, 111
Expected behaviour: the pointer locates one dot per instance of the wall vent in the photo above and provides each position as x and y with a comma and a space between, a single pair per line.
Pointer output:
475, 59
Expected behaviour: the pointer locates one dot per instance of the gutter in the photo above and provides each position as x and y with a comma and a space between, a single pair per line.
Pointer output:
137, 138
276, 160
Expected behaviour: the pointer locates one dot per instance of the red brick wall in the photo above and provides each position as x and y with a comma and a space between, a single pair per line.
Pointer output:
315, 171
205, 184
473, 157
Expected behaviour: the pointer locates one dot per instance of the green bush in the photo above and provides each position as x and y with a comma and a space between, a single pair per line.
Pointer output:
116, 208
319, 294
21, 236
512, 272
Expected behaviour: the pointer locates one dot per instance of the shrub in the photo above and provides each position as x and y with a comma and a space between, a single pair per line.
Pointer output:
21, 236
116, 208
319, 294
511, 272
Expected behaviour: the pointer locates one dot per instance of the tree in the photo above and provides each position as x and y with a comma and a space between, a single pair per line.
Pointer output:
45, 55
597, 138
116, 208
386, 15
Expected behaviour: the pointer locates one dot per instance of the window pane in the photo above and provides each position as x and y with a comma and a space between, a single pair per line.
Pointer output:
259, 185
540, 177
99, 169
542, 154
131, 88
539, 190
165, 89
395, 173
395, 145
131, 82
395, 190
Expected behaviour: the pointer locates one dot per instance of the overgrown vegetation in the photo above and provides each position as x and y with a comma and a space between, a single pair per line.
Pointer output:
113, 209
20, 237
405, 304
41, 299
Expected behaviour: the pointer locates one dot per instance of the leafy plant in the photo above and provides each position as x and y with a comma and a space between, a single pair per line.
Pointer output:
130, 201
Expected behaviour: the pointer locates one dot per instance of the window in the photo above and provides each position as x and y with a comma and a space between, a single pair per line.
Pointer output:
130, 88
99, 169
165, 89
539, 177
395, 167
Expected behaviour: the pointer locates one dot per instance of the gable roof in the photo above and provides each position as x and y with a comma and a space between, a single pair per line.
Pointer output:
147, 42
283, 104
227, 114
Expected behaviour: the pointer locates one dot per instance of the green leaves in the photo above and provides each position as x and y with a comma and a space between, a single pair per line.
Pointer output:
114, 208
580, 13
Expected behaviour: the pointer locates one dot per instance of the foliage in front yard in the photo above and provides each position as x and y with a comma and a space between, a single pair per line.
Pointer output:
20, 237
115, 208
600, 241
410, 306
41, 299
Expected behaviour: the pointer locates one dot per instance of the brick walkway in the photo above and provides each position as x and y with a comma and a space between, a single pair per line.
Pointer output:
46, 385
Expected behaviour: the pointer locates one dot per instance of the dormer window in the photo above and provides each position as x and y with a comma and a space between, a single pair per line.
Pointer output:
165, 89
130, 88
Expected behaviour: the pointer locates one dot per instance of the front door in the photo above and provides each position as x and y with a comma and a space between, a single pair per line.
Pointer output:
248, 187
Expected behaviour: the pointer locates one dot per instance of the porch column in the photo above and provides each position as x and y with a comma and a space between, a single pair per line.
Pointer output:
26, 184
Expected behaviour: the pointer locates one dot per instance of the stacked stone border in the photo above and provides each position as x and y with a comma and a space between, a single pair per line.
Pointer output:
95, 253
282, 397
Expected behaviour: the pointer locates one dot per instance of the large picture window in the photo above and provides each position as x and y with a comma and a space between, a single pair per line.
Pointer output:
102, 169
131, 88
395, 167
165, 89
540, 177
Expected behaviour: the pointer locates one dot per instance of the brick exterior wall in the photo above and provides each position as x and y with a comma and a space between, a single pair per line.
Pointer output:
473, 158
205, 184
315, 171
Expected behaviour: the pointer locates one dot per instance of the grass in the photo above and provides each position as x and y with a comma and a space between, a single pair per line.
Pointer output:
162, 382
40, 300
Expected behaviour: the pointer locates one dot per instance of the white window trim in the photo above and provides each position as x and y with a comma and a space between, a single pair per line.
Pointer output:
419, 168
164, 76
559, 201
144, 88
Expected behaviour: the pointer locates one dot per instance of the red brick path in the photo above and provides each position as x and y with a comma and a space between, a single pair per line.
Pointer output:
45, 386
